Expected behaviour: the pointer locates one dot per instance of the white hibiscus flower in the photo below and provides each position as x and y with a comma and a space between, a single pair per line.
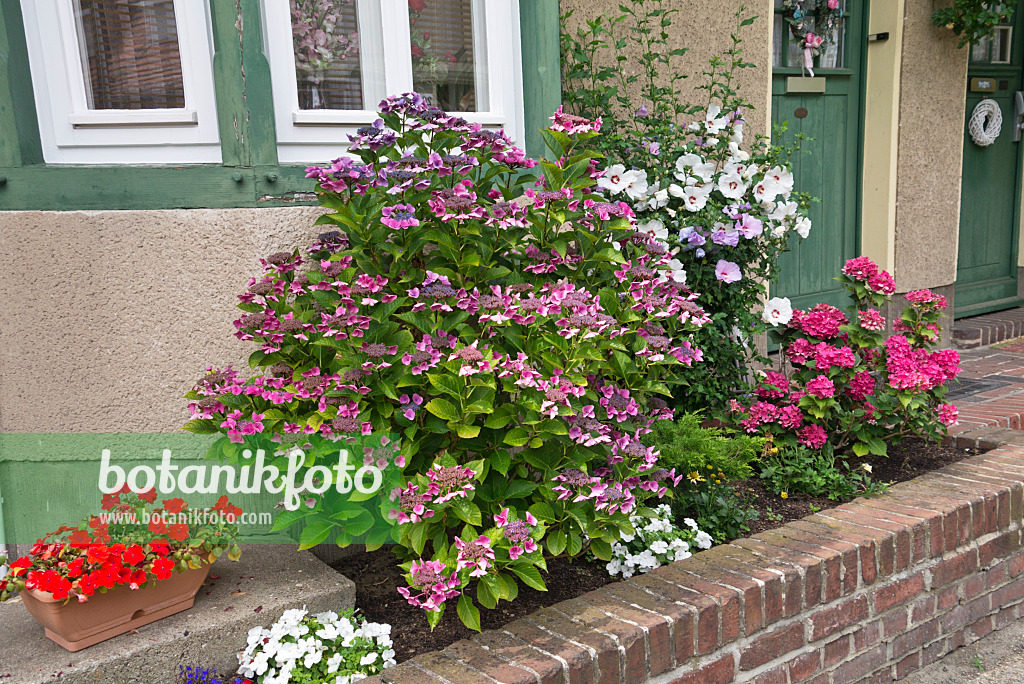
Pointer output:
803, 226
778, 311
656, 228
731, 185
615, 179
636, 187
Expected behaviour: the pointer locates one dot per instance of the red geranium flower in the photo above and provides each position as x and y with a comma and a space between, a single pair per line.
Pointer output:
179, 533
149, 496
109, 501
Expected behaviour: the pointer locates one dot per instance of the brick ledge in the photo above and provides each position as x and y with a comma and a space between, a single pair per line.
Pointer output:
866, 592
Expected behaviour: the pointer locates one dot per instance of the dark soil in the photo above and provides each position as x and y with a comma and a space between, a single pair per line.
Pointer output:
377, 575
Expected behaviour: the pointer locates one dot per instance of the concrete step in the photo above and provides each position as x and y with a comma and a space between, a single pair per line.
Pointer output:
254, 591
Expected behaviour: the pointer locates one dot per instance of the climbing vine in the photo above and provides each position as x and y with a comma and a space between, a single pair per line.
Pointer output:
973, 20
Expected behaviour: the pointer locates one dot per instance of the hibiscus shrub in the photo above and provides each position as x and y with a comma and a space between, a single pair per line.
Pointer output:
513, 332
848, 385
727, 210
133, 543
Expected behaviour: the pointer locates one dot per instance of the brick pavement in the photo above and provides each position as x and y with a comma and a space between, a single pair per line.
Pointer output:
999, 375
979, 331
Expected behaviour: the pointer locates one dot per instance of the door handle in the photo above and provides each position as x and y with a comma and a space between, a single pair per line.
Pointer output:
1018, 112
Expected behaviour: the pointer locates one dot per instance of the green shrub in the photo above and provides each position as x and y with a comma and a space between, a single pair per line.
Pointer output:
689, 447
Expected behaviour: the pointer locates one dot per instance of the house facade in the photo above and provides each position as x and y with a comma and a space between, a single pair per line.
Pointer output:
152, 151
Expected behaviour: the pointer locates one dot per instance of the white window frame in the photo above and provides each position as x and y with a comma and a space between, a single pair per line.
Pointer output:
311, 136
72, 133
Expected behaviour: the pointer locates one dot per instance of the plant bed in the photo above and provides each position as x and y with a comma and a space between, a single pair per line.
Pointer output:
378, 600
378, 578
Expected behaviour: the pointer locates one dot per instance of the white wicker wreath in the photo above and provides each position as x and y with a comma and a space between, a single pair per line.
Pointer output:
986, 123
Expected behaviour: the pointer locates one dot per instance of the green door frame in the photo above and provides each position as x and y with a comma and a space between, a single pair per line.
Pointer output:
861, 66
250, 174
998, 71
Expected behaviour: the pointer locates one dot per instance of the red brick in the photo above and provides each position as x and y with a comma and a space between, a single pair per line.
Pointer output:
782, 586
954, 568
996, 575
604, 649
911, 533
830, 559
408, 673
807, 567
922, 610
480, 659
720, 671
959, 534
880, 532
662, 640
704, 609
630, 637
943, 533
451, 670
998, 547
907, 665
727, 598
1009, 593
577, 658
851, 546
1004, 617
860, 666
967, 614
776, 675
980, 628
772, 645
503, 644
837, 650
897, 593
867, 636
948, 596
894, 623
1015, 565
933, 651
804, 667
928, 539
714, 570
838, 617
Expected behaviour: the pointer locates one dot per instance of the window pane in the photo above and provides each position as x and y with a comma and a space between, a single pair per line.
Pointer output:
131, 54
325, 34
780, 29
444, 64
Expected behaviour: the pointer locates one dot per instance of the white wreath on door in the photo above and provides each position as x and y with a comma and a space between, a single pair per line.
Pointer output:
986, 123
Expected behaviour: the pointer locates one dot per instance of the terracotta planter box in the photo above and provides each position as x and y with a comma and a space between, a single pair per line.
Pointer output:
76, 625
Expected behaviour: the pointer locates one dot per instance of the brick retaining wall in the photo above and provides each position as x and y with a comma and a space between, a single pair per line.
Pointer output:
866, 592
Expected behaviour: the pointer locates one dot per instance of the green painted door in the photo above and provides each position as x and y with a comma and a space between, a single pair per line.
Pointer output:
986, 273
828, 165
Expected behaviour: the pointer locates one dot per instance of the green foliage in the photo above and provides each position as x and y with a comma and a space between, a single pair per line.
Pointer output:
512, 334
799, 470
974, 20
623, 67
719, 510
689, 447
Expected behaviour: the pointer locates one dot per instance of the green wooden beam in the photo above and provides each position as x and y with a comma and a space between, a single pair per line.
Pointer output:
245, 100
542, 68
19, 127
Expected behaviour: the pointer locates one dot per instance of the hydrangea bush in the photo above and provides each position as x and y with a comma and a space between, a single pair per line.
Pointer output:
657, 541
849, 386
728, 211
512, 331
326, 648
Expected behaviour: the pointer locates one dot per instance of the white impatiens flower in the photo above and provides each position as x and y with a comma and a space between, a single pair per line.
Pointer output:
778, 311
731, 185
803, 226
655, 227
703, 539
636, 185
657, 541
615, 179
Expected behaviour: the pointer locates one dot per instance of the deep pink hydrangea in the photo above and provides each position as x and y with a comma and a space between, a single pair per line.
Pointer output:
823, 321
813, 436
926, 299
882, 283
821, 386
948, 414
861, 268
871, 320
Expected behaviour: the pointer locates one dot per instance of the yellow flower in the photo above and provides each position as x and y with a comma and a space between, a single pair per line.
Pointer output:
785, 495
694, 477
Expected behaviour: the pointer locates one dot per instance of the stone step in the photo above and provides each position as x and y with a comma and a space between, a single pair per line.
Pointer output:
256, 590
988, 329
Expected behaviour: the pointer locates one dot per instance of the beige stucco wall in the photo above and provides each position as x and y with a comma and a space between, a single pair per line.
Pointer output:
704, 28
933, 92
108, 317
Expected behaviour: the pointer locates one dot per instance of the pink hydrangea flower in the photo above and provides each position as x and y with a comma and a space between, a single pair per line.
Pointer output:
476, 554
871, 320
434, 587
399, 217
948, 414
821, 386
813, 436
